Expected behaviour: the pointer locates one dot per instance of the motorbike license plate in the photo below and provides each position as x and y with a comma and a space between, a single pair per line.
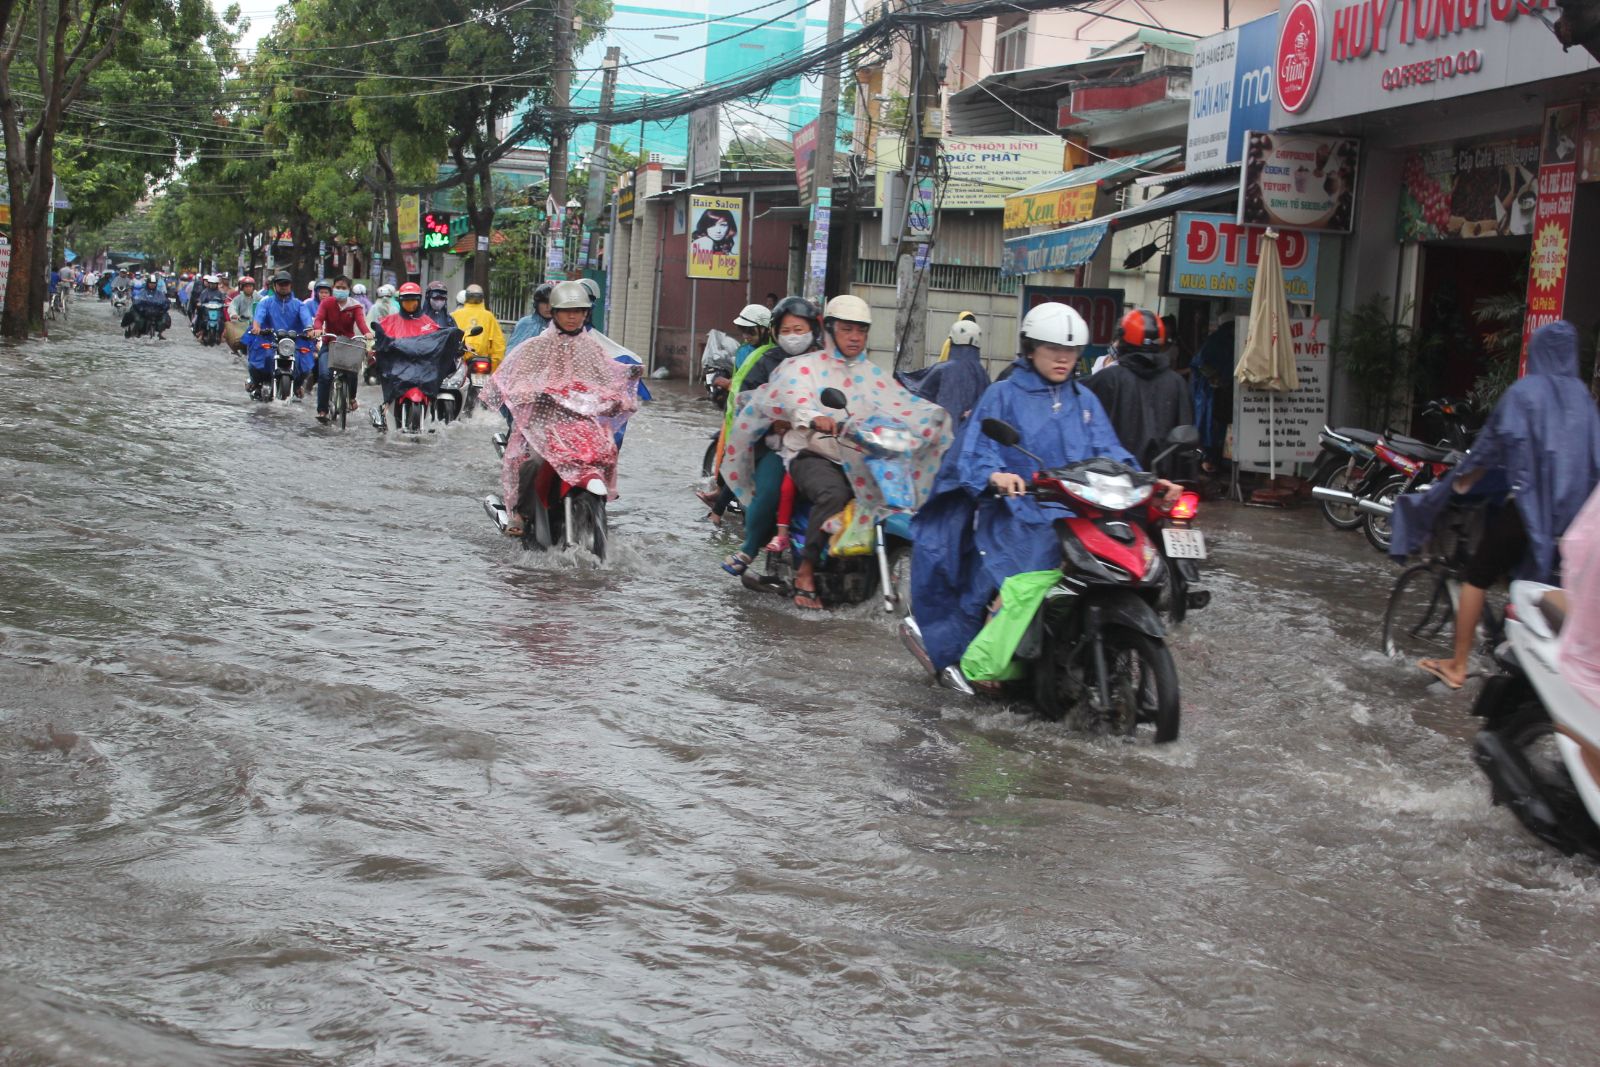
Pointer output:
1184, 544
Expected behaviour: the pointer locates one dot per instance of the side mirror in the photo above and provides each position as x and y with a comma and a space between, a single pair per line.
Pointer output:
1184, 436
1002, 431
833, 398
476, 330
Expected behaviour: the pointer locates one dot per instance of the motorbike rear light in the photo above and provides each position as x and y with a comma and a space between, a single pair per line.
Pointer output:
1187, 507
479, 366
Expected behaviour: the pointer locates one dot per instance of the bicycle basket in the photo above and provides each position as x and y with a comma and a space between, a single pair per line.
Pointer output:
346, 355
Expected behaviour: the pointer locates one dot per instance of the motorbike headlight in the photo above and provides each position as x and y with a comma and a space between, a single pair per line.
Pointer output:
286, 346
1113, 492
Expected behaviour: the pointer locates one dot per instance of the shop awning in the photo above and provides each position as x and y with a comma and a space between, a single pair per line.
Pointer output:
1070, 196
1200, 195
1073, 246
1053, 249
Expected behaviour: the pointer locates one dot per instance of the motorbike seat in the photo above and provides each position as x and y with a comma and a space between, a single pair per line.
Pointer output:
1410, 446
1352, 433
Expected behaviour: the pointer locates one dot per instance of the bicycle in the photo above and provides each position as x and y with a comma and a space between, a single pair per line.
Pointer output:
58, 304
1419, 619
344, 356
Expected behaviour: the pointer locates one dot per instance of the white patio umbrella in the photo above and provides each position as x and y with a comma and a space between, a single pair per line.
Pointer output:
1267, 361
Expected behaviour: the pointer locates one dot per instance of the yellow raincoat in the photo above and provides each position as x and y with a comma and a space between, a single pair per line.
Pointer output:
492, 341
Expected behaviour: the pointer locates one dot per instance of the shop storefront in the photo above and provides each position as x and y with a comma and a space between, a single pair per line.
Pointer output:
1471, 127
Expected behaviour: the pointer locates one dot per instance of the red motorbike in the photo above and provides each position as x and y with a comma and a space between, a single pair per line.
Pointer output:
1096, 646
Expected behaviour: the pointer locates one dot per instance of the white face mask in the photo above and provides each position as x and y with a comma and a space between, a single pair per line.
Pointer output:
794, 343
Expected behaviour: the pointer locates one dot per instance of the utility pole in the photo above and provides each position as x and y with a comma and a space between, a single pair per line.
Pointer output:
561, 95
600, 158
822, 167
914, 253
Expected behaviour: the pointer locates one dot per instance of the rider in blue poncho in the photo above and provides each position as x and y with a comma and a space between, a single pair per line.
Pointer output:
968, 540
956, 383
1538, 456
279, 311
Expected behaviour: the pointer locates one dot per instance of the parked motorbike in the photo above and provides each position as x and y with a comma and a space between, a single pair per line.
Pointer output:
1096, 647
211, 322
884, 568
1363, 472
1540, 746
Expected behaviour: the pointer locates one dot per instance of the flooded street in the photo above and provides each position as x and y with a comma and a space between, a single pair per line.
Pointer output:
302, 763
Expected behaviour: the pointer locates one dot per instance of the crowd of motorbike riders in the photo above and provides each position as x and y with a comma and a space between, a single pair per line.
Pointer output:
986, 477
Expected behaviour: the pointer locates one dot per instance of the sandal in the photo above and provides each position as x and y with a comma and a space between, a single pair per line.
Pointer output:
807, 599
513, 531
737, 564
779, 544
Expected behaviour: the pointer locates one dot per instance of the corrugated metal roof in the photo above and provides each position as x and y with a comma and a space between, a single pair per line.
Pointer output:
1104, 170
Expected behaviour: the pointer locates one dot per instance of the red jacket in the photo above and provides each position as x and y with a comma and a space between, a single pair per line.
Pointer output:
400, 325
341, 322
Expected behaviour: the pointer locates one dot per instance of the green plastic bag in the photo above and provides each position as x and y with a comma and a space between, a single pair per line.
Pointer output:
989, 657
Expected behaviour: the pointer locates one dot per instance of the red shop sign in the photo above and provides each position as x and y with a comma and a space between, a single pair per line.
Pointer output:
1552, 223
1299, 59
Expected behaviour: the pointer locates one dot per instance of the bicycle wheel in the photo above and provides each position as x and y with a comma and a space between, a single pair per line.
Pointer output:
341, 404
1420, 619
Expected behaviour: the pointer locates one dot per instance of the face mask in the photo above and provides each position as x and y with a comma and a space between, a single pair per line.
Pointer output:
437, 301
341, 295
794, 343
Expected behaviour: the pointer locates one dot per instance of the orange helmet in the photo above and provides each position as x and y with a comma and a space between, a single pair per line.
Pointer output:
1140, 330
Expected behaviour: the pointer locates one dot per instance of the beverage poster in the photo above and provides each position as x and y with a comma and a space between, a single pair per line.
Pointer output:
1308, 182
714, 238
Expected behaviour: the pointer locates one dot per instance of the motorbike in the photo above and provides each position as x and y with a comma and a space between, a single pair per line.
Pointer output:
1363, 472
450, 403
414, 406
1096, 646
478, 370
288, 348
210, 323
1540, 745
717, 396
881, 569
149, 320
555, 512
119, 303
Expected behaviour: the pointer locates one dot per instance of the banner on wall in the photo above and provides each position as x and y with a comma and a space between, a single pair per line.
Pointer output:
1475, 189
714, 236
805, 154
982, 171
1230, 92
1552, 222
410, 223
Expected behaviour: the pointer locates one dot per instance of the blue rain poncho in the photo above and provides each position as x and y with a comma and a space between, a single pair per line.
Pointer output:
1541, 443
965, 544
280, 316
954, 385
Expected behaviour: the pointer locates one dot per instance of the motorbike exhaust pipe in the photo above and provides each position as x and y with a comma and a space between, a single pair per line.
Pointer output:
1372, 507
1337, 496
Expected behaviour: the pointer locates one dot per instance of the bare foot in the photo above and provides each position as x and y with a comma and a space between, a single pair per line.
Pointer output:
1447, 672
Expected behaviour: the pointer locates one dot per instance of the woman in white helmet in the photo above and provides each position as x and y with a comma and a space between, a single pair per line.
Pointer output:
384, 306
790, 405
979, 528
358, 293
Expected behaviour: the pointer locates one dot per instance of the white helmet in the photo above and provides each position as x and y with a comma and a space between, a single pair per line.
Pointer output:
461, 296
385, 291
848, 308
592, 287
568, 295
359, 289
1055, 324
755, 316
966, 332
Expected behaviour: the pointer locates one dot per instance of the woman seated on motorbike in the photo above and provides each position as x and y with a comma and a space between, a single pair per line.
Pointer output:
799, 330
979, 527
566, 398
790, 405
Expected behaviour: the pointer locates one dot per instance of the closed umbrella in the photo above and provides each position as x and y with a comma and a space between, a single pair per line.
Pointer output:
1267, 361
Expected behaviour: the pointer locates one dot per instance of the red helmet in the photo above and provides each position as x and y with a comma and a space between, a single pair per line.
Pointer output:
410, 289
247, 280
1141, 330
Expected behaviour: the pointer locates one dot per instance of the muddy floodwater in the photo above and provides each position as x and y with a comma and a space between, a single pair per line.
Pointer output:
302, 763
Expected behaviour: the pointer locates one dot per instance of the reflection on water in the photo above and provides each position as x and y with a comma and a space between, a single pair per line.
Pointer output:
301, 762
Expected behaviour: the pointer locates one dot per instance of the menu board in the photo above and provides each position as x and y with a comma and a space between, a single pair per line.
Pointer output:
1295, 418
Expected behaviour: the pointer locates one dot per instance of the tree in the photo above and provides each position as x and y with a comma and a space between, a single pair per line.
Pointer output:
71, 40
